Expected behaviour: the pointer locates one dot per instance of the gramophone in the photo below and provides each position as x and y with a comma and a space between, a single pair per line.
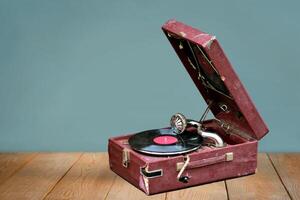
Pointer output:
192, 152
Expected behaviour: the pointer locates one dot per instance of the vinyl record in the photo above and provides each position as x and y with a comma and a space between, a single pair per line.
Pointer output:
165, 142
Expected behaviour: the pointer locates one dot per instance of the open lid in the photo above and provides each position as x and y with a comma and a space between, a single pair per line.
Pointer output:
212, 73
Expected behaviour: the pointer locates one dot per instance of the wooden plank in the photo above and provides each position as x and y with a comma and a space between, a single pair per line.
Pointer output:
210, 191
12, 162
89, 178
265, 184
288, 168
124, 190
38, 176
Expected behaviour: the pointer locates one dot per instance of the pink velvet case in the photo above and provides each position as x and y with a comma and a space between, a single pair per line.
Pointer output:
236, 121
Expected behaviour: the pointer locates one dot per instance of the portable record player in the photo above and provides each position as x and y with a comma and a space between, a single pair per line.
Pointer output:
192, 152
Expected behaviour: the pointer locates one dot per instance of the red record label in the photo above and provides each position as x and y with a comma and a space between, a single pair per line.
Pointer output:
165, 140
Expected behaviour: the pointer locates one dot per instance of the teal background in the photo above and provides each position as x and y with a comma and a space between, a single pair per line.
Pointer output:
74, 73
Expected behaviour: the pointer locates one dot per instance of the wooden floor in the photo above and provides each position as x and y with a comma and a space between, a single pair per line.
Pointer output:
87, 176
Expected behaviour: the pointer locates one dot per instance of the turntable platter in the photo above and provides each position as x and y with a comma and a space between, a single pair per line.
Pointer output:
165, 142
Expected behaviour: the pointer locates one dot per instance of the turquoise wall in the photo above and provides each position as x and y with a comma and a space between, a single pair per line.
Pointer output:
74, 73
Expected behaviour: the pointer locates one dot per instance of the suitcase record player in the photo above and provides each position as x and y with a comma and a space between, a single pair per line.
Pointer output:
192, 152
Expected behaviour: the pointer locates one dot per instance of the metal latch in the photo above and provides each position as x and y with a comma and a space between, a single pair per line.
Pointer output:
151, 174
125, 158
229, 156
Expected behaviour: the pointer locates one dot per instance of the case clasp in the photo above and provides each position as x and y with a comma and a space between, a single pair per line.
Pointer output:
151, 174
125, 158
229, 156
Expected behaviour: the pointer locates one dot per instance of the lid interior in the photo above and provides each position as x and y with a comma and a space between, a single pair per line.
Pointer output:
210, 83
207, 73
